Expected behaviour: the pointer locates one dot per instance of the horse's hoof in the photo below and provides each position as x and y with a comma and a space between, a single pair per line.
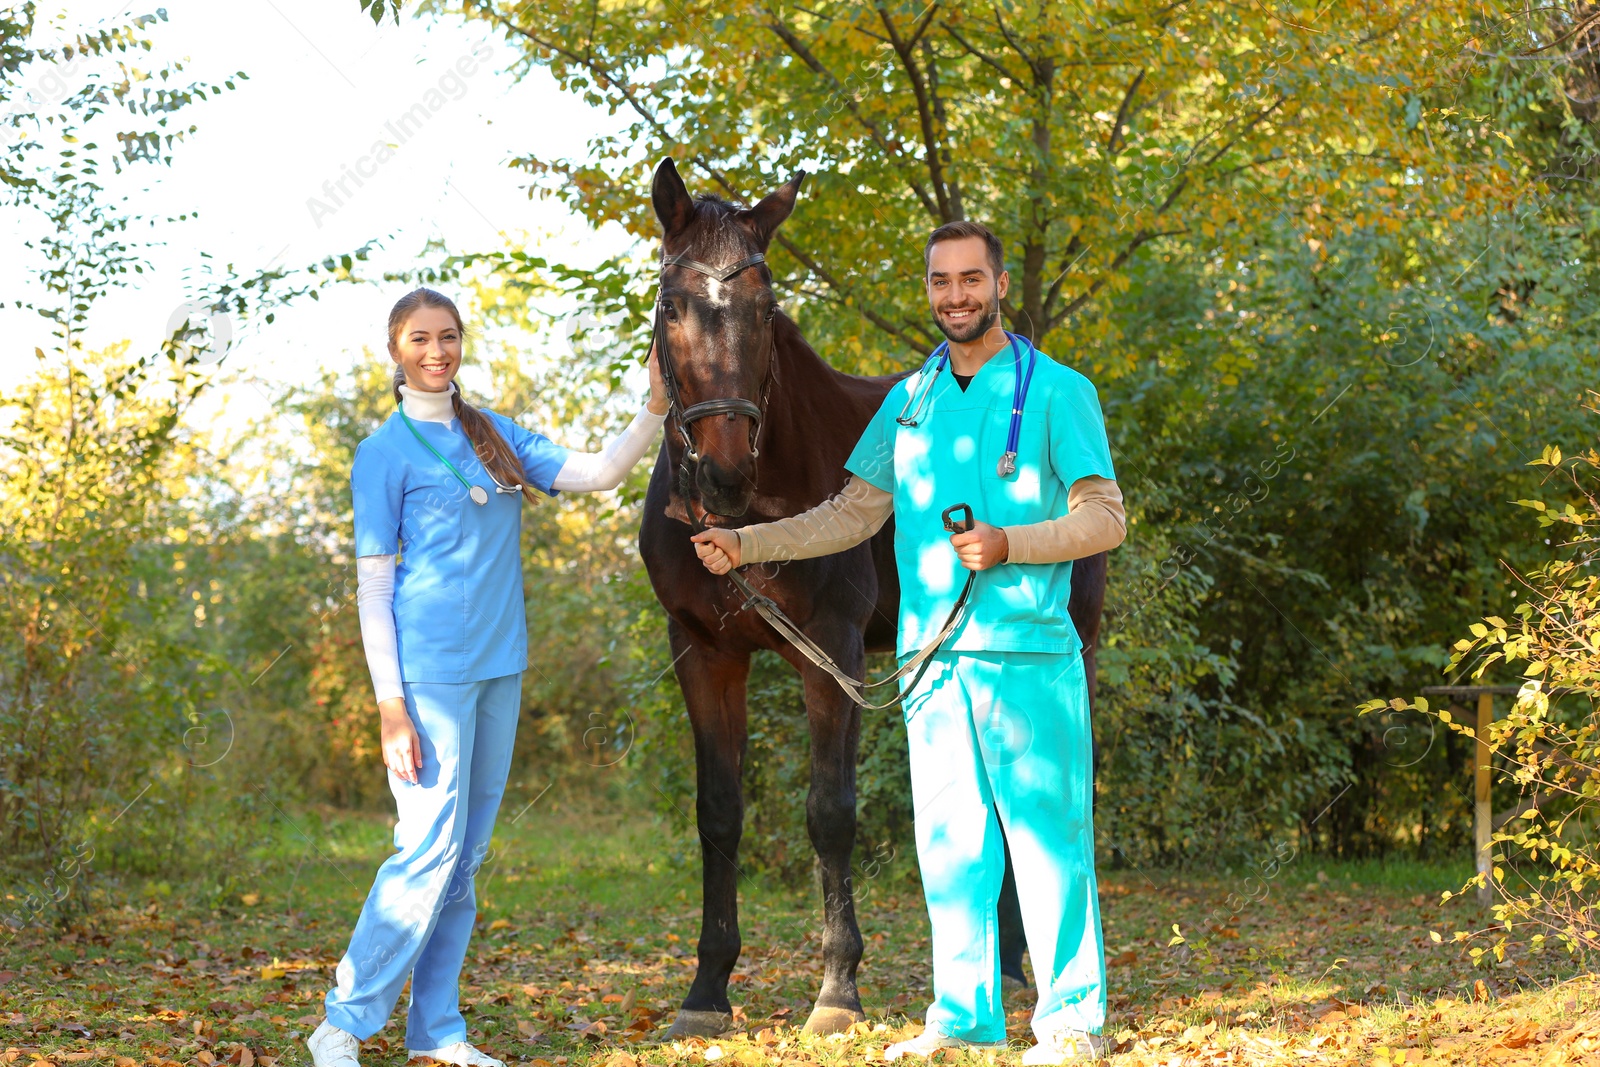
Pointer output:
1012, 984
699, 1024
833, 1020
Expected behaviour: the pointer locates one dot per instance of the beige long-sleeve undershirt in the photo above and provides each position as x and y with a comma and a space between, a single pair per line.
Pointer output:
1095, 522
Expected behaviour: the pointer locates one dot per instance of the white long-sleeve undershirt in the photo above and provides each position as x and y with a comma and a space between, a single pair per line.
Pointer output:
582, 472
375, 606
596, 472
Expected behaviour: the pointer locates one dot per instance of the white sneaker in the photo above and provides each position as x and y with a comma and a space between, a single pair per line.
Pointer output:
333, 1047
1065, 1046
930, 1041
460, 1053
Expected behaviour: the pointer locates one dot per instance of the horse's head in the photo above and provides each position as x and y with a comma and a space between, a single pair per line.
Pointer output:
715, 334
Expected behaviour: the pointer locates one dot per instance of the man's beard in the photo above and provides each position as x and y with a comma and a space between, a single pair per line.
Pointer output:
975, 327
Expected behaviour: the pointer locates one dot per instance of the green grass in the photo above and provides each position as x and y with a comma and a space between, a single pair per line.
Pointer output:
1398, 876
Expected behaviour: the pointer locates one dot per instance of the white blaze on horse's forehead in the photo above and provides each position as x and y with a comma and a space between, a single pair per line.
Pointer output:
724, 244
714, 294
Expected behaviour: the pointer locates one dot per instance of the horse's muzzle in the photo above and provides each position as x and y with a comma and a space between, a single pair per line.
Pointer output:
723, 489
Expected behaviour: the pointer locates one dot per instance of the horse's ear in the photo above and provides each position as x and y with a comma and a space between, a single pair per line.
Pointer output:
767, 216
671, 199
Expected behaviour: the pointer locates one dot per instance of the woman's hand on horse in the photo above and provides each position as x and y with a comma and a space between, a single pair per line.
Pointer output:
717, 549
658, 385
402, 748
981, 547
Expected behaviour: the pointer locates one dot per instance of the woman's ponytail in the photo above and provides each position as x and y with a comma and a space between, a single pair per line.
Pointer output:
487, 442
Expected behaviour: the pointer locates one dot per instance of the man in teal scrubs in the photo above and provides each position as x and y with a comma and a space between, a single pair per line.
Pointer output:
998, 726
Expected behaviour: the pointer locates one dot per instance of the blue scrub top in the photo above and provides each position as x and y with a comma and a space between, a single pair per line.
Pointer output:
458, 603
949, 458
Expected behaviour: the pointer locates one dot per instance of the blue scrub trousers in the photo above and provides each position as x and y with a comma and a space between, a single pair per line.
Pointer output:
420, 911
1002, 739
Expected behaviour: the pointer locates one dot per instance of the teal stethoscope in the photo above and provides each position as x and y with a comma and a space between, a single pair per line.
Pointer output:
478, 494
917, 401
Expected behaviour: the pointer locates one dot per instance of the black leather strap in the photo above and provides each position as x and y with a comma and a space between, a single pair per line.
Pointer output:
733, 405
685, 416
721, 275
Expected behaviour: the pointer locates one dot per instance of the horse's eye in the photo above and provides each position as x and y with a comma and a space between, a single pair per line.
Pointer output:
772, 312
669, 311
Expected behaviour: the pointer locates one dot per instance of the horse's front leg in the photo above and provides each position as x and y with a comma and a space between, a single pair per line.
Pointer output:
835, 723
713, 686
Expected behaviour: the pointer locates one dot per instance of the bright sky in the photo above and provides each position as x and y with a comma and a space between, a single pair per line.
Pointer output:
326, 90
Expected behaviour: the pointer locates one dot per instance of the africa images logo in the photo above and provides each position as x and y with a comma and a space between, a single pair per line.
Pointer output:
450, 86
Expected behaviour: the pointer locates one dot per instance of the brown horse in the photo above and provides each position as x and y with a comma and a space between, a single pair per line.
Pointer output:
769, 426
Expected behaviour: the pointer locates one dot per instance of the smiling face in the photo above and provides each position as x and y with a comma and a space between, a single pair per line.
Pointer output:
962, 288
428, 348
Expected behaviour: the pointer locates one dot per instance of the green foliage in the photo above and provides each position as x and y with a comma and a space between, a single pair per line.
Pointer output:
1328, 276
119, 706
1545, 865
87, 452
1087, 136
1321, 434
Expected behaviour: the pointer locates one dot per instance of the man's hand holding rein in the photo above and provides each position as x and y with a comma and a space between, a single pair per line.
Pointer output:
981, 547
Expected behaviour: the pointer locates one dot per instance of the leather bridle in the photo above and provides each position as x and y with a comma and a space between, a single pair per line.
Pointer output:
685, 417
856, 690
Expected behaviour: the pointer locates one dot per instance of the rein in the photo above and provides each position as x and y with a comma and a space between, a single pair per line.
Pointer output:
764, 605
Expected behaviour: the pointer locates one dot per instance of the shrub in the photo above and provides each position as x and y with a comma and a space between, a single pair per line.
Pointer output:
1545, 862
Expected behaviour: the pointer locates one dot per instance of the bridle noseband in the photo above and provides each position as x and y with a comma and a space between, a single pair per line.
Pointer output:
685, 417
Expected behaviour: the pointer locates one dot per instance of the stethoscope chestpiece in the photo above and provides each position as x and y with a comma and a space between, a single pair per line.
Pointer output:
478, 494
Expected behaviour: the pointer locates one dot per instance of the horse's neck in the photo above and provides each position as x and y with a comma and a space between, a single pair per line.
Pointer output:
815, 415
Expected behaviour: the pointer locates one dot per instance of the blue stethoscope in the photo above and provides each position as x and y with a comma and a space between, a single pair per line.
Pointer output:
916, 402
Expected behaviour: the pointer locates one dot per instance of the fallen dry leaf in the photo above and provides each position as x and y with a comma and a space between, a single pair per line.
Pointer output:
1521, 1035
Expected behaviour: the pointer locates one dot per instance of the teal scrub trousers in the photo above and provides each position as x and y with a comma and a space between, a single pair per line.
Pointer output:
1002, 739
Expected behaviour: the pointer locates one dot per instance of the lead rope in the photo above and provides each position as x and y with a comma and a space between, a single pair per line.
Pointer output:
854, 689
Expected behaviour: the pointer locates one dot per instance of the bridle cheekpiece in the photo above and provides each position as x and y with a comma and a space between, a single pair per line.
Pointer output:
685, 417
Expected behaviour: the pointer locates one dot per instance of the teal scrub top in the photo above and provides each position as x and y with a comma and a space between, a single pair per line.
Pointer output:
948, 458
458, 602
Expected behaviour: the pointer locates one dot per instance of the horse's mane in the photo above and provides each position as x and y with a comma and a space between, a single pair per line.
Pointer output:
718, 232
716, 201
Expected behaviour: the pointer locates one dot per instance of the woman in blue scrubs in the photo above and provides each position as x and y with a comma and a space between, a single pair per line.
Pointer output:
439, 490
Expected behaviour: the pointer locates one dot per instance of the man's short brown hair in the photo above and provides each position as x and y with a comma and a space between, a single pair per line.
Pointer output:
953, 231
